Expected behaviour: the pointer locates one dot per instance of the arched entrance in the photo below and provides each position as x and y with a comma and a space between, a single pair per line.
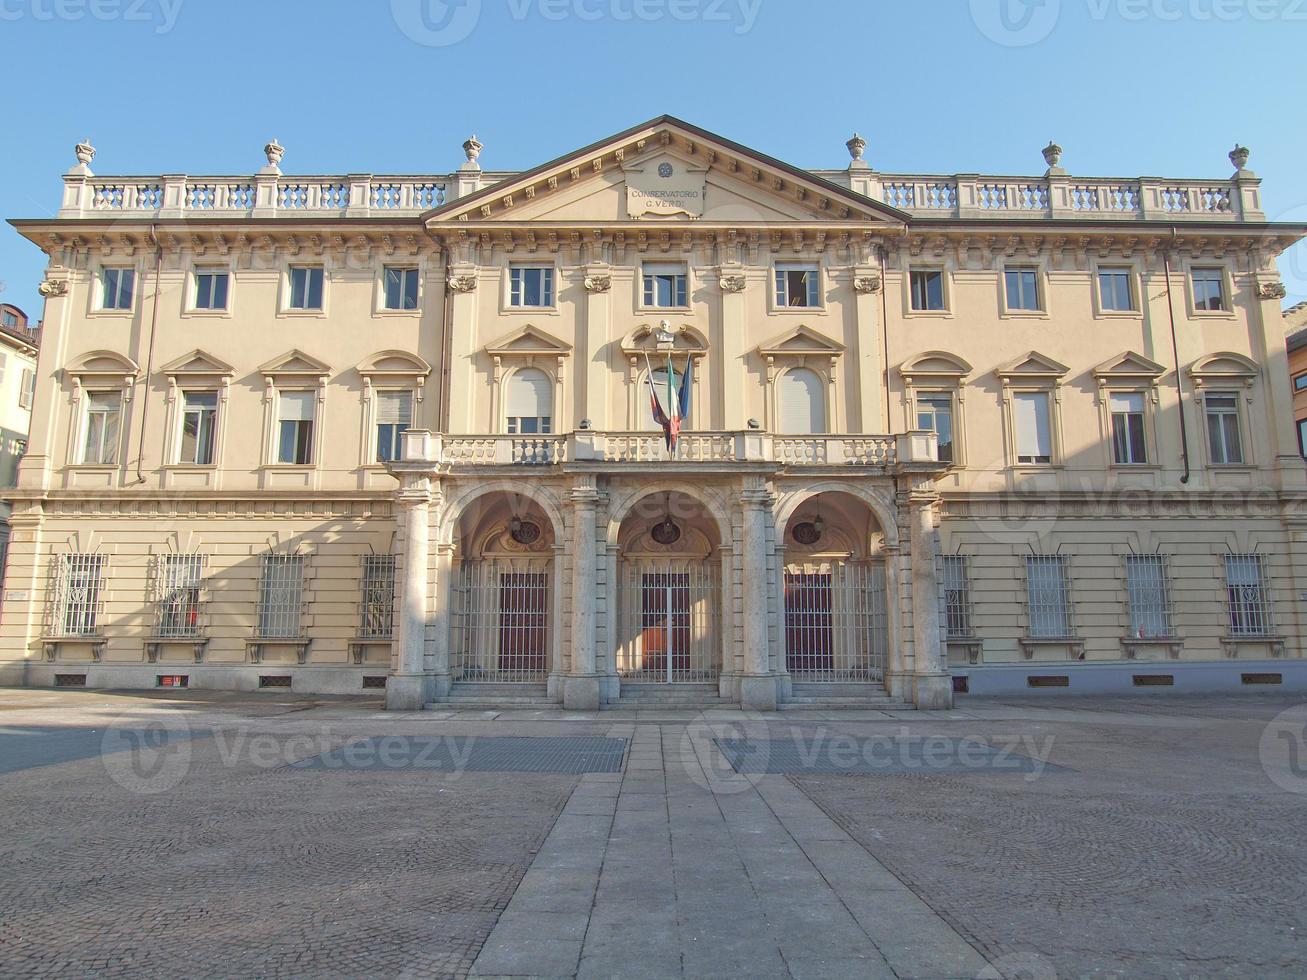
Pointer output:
669, 593
502, 591
836, 622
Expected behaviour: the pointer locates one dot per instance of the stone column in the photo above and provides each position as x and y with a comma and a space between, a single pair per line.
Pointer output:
581, 689
442, 677
408, 686
932, 682
758, 685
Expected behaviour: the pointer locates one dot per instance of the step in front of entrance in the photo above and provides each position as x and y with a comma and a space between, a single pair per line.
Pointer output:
843, 697
483, 696
670, 696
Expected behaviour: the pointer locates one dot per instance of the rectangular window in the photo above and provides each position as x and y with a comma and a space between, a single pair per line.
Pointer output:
4, 363
401, 288
1300, 382
211, 289
957, 597
1250, 606
798, 285
1114, 290
199, 427
281, 594
1302, 437
935, 412
306, 287
27, 393
180, 579
527, 426
394, 416
665, 284
378, 611
1128, 427
927, 290
103, 413
1048, 593
295, 410
9, 319
1034, 427
1209, 289
79, 594
1223, 438
119, 288
1022, 289
1150, 600
531, 285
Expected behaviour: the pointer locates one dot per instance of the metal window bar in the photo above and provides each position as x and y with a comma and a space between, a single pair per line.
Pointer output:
78, 594
378, 603
1249, 602
179, 586
1149, 589
955, 583
1048, 594
670, 625
281, 597
836, 622
501, 624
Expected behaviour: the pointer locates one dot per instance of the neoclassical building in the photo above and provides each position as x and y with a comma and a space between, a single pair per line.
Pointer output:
940, 433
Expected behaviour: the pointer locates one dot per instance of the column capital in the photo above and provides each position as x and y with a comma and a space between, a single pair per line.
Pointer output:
417, 490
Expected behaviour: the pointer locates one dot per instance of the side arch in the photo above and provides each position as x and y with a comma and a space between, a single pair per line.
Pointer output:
622, 506
453, 509
882, 510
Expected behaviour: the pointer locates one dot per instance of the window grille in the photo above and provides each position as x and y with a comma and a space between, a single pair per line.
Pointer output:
78, 595
956, 584
281, 596
378, 608
1249, 602
1048, 594
179, 582
1149, 588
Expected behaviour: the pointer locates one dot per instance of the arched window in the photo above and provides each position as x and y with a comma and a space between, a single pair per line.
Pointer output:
800, 402
529, 403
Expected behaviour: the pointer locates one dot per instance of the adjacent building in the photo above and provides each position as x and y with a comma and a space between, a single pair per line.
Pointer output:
937, 433
19, 342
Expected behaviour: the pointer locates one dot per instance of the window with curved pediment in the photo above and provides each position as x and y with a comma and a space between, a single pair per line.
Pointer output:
102, 383
934, 389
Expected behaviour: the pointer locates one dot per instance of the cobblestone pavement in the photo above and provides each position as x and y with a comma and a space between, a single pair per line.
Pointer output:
1135, 838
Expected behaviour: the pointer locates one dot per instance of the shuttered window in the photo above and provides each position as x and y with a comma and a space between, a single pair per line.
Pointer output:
801, 402
529, 403
394, 416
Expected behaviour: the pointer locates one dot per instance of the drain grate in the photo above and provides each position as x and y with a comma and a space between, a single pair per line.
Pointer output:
876, 755
475, 753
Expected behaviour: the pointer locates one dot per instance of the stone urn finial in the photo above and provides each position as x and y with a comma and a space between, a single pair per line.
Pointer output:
85, 152
472, 147
857, 147
1239, 157
274, 151
1052, 154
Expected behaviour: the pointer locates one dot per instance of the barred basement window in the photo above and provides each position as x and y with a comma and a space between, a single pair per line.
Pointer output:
1048, 594
1148, 586
1249, 603
378, 598
281, 594
79, 595
179, 580
957, 597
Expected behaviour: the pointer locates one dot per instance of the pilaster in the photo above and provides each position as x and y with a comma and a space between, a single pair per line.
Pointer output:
932, 683
868, 293
581, 688
409, 686
758, 684
462, 287
594, 371
733, 282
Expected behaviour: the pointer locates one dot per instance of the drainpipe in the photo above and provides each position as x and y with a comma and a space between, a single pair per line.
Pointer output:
149, 362
884, 332
446, 351
1175, 353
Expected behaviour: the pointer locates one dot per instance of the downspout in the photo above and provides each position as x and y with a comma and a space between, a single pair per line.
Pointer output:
884, 336
446, 352
1175, 353
149, 362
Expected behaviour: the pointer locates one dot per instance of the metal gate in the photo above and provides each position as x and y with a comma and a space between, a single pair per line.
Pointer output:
669, 628
836, 622
500, 627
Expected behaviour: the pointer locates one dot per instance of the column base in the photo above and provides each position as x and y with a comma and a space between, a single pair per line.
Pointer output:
898, 684
407, 692
758, 693
581, 693
933, 692
439, 687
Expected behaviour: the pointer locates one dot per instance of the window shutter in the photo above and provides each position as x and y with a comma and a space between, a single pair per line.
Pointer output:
1034, 437
296, 406
529, 395
28, 389
395, 408
801, 402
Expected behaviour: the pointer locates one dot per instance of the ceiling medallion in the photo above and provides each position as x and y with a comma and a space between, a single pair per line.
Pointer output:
525, 532
665, 532
807, 533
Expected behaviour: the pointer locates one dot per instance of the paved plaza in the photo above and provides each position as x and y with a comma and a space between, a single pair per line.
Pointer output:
189, 834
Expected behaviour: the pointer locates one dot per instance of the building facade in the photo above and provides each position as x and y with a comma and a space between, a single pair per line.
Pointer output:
939, 433
19, 341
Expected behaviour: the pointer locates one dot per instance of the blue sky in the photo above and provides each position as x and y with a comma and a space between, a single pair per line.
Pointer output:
1128, 87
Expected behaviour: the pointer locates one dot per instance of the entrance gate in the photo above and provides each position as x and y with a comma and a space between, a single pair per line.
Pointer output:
500, 628
836, 622
669, 627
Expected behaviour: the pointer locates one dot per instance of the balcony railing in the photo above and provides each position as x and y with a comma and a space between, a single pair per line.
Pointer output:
648, 448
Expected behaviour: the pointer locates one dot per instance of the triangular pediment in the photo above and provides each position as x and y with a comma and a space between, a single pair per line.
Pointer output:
801, 341
197, 363
1128, 364
526, 340
666, 170
1033, 365
295, 362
